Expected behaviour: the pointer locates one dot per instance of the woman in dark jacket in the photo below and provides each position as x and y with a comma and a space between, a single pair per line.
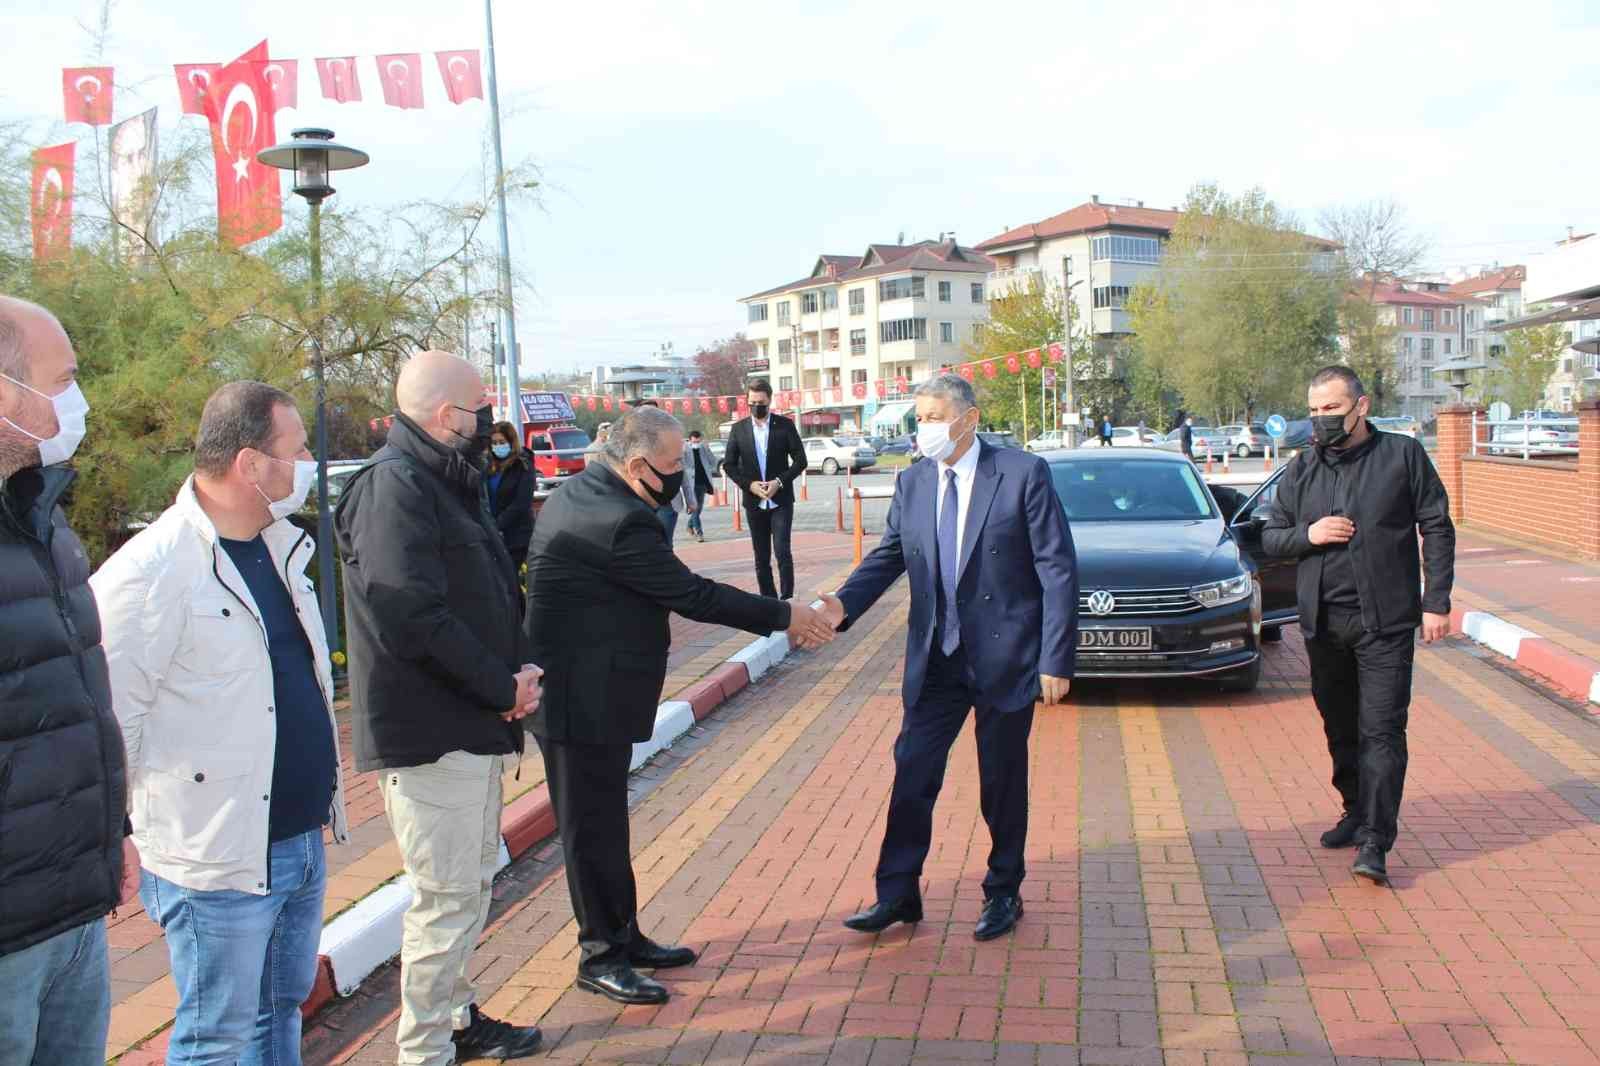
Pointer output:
510, 482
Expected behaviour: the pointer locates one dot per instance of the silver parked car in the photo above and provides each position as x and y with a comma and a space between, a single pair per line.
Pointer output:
832, 454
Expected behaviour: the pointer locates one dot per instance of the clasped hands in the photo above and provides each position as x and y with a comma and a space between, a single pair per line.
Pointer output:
766, 489
528, 693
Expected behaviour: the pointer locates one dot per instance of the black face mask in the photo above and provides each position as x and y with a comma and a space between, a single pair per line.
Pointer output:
759, 409
1329, 431
671, 485
473, 447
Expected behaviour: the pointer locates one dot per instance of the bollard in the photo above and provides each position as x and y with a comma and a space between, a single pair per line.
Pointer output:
1225, 457
722, 497
738, 511
850, 478
857, 494
839, 515
1266, 457
805, 486
1208, 457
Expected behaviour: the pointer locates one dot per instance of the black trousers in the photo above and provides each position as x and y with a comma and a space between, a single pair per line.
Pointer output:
769, 531
1362, 686
921, 752
589, 790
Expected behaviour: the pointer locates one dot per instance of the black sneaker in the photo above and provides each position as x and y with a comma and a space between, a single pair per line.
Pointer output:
1369, 864
487, 1038
1343, 835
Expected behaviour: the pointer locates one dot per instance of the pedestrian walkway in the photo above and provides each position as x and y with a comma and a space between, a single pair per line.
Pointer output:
143, 994
1179, 910
1557, 598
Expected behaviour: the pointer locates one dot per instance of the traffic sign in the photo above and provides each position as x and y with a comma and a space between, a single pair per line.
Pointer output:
1276, 426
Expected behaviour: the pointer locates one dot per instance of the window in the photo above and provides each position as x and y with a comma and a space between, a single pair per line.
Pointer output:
903, 329
1449, 316
944, 292
1472, 346
977, 292
1566, 365
783, 312
858, 301
1405, 316
758, 312
858, 377
900, 289
808, 303
1427, 349
1447, 346
785, 351
1427, 378
1427, 318
785, 383
947, 333
1406, 346
1110, 295
858, 342
830, 299
1126, 249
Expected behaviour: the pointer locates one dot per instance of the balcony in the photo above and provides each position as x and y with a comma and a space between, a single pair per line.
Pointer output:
1011, 280
823, 360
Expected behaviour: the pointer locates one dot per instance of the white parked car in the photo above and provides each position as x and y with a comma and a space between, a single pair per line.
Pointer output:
832, 454
1048, 441
1547, 438
1127, 437
1404, 426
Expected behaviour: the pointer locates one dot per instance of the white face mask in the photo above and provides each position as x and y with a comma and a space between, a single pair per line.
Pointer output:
72, 422
305, 475
933, 440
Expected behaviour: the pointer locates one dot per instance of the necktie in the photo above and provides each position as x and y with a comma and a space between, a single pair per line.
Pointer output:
949, 562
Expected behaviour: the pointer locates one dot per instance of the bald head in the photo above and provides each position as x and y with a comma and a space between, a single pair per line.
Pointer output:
35, 352
439, 391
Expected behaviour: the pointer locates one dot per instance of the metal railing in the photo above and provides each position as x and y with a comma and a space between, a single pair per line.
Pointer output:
1525, 438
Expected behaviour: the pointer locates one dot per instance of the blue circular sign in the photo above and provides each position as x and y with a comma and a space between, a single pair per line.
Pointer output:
1276, 426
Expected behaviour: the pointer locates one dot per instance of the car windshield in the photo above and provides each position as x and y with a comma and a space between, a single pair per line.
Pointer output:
569, 438
847, 442
1113, 490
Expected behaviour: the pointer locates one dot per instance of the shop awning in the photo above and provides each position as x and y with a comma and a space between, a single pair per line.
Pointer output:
892, 414
1575, 312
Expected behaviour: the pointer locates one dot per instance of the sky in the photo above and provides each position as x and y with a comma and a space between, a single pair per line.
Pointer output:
696, 152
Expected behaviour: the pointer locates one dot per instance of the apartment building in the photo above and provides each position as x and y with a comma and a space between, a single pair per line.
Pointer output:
1430, 329
1568, 277
1496, 298
896, 313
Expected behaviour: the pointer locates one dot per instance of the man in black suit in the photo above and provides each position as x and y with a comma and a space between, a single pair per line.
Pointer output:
601, 583
765, 457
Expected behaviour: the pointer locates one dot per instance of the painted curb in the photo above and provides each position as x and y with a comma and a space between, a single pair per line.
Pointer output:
1566, 669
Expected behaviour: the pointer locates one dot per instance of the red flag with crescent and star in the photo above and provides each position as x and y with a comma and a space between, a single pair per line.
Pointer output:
1013, 364
722, 404
401, 77
705, 405
194, 83
1055, 352
52, 201
249, 202
86, 95
1033, 358
283, 79
463, 75
339, 81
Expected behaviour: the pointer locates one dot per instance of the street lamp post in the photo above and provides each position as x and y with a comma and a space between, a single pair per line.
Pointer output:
312, 155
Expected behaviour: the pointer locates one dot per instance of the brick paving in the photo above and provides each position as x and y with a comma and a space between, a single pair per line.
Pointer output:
1556, 597
1179, 910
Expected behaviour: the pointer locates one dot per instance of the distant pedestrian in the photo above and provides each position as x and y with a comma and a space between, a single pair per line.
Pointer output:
225, 694
1186, 436
510, 481
63, 778
1105, 431
765, 457
699, 465
1349, 510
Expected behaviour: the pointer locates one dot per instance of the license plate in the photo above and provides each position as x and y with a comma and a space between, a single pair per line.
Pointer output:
1130, 639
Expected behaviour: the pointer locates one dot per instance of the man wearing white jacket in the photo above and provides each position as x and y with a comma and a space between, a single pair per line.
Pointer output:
222, 684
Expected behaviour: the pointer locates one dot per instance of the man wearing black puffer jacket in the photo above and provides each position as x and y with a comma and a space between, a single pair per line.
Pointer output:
438, 684
1350, 510
63, 776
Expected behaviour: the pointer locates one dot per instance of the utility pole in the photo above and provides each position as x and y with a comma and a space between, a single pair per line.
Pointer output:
513, 371
1072, 377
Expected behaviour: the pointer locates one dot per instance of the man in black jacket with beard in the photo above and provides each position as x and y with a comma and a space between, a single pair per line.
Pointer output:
1349, 510
438, 685
63, 776
602, 583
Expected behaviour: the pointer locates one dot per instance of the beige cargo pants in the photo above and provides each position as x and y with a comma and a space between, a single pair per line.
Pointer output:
446, 818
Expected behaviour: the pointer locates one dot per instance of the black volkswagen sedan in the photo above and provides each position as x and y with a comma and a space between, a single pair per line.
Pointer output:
1172, 580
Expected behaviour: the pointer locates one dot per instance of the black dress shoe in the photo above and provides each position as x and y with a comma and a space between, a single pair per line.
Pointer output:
652, 956
488, 1038
880, 916
625, 985
1343, 835
1369, 864
1000, 916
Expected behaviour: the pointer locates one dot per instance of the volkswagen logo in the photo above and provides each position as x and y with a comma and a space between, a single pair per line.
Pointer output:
1102, 602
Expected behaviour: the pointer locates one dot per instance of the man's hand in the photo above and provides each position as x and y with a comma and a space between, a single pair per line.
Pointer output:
807, 627
527, 693
1434, 627
1054, 689
1335, 529
832, 609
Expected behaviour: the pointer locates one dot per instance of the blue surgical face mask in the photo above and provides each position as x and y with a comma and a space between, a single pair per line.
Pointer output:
501, 451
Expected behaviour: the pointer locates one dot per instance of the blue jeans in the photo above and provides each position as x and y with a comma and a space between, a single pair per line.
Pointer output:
695, 526
55, 1000
669, 521
243, 963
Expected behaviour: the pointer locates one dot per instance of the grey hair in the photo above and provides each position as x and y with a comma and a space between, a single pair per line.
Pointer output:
639, 432
13, 364
952, 387
237, 416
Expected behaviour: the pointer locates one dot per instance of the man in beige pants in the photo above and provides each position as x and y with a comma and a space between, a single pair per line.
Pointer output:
438, 684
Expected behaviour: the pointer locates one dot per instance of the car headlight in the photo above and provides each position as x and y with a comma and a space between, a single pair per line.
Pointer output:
1222, 593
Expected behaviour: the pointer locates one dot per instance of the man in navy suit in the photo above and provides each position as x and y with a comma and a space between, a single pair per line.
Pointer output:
994, 626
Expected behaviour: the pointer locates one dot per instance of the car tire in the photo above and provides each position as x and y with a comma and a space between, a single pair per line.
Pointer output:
1271, 634
1244, 679
1242, 451
830, 466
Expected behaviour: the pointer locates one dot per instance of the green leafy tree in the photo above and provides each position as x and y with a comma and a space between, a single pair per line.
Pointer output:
1369, 347
1531, 358
1375, 246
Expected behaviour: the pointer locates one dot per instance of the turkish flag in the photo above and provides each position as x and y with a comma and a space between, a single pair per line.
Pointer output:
860, 390
339, 80
900, 384
401, 77
591, 403
989, 368
606, 403
86, 95
249, 203
1033, 358
967, 372
52, 201
194, 82
838, 394
1013, 364
722, 404
878, 388
743, 407
463, 75
1055, 352
283, 78
705, 405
